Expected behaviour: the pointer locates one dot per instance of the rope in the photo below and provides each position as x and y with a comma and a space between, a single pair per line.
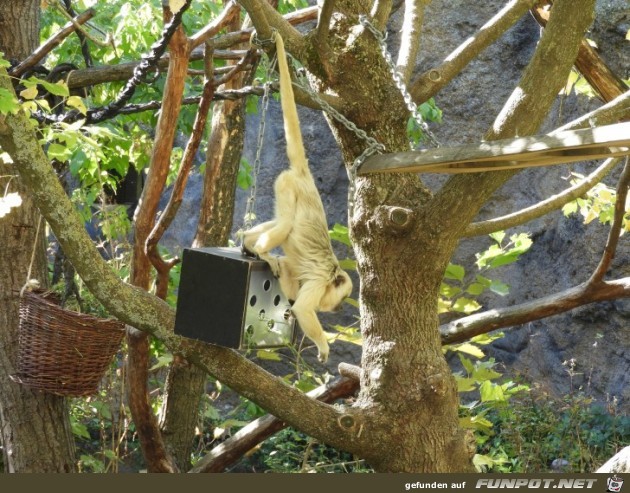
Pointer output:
32, 283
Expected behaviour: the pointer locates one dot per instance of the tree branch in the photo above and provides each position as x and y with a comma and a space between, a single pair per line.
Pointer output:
543, 207
603, 80
177, 194
145, 312
524, 111
54, 41
229, 13
615, 228
265, 17
464, 328
230, 451
432, 81
410, 37
615, 111
380, 13
323, 22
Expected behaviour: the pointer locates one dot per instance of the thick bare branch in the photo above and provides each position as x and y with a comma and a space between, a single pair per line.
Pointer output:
429, 83
265, 17
543, 207
464, 328
601, 78
410, 37
227, 453
54, 41
615, 227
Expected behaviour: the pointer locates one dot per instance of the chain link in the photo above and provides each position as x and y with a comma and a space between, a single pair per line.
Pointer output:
250, 207
399, 81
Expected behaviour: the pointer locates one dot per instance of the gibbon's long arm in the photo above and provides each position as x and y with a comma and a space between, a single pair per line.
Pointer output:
295, 146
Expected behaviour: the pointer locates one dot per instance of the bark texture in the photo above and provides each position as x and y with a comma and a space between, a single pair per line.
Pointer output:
34, 426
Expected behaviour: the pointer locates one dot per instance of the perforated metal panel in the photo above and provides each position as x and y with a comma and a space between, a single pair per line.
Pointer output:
232, 300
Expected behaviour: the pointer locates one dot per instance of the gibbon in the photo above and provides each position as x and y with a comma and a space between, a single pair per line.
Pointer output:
309, 272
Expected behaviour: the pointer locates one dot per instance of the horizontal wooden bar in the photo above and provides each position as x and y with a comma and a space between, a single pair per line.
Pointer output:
524, 152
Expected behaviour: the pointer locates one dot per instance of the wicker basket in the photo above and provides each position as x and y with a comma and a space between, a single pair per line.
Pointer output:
61, 351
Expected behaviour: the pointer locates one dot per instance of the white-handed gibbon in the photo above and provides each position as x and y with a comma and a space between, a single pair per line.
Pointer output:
309, 271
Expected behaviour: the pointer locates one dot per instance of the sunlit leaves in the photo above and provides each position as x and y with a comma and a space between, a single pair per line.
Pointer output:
598, 203
458, 291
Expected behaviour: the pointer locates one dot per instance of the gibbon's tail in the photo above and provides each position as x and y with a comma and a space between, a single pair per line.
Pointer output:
295, 146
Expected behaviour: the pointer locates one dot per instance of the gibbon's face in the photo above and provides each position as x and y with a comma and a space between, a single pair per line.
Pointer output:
336, 292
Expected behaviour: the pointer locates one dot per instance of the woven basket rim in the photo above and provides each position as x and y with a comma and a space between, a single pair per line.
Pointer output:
46, 297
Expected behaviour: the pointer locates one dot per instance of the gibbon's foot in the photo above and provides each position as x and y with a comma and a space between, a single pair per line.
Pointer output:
322, 353
274, 264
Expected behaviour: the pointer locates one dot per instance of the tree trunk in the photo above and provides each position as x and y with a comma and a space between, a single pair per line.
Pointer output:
186, 382
35, 426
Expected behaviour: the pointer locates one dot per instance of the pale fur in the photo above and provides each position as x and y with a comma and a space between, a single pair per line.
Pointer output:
309, 272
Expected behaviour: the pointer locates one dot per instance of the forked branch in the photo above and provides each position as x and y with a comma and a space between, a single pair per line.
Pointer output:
429, 83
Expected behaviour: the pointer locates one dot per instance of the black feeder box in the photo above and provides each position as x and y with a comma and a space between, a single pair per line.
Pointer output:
232, 300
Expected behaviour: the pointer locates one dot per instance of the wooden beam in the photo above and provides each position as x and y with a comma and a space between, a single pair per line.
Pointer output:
523, 152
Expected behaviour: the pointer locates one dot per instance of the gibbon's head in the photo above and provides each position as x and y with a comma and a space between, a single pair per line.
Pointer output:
338, 289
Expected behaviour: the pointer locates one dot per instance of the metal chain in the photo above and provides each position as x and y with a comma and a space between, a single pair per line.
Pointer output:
250, 207
400, 83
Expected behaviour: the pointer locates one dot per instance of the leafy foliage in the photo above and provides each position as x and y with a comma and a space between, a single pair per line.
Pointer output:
458, 292
598, 203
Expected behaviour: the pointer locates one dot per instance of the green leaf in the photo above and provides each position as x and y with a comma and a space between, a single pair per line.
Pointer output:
454, 271
77, 103
497, 236
348, 334
211, 413
484, 339
268, 355
348, 264
485, 374
465, 305
468, 348
465, 384
483, 281
3, 62
58, 88
467, 364
29, 93
58, 151
79, 429
8, 102
475, 289
499, 288
491, 392
340, 233
449, 291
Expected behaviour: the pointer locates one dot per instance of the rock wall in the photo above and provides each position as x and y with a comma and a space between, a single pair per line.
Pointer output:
595, 337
